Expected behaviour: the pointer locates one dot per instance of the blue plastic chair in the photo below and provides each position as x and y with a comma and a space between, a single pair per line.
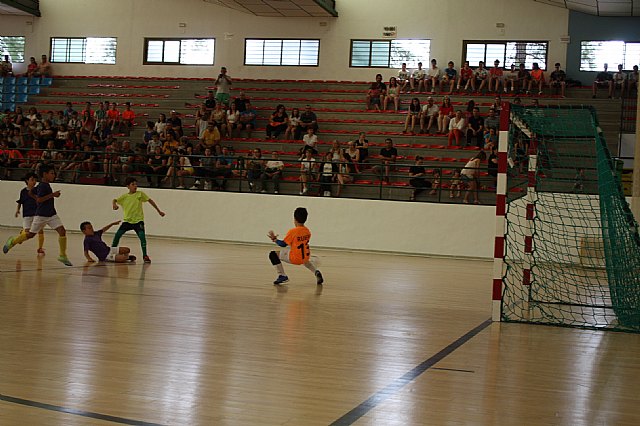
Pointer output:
22, 97
46, 81
34, 90
22, 81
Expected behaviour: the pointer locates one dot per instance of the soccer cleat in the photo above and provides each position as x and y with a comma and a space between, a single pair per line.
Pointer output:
7, 246
319, 279
281, 279
146, 259
132, 258
64, 260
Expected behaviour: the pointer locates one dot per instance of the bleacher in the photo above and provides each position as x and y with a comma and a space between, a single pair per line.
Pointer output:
339, 105
16, 90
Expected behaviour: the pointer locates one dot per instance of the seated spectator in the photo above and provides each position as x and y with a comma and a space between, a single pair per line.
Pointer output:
492, 121
523, 79
44, 69
432, 80
605, 79
388, 156
619, 81
457, 127
88, 163
224, 168
456, 184
558, 79
170, 143
403, 77
128, 118
6, 68
210, 101
475, 129
202, 120
328, 170
393, 95
307, 171
429, 115
335, 150
490, 139
352, 153
255, 169
100, 114
308, 119
343, 171
204, 172
492, 164
413, 116
417, 78
278, 122
160, 124
176, 123
496, 77
157, 165
511, 79
497, 104
219, 117
376, 93
247, 119
184, 168
632, 80
417, 175
480, 78
537, 79
470, 176
437, 181
465, 78
362, 144
241, 102
294, 121
310, 141
445, 115
113, 118
449, 76
272, 171
32, 68
233, 119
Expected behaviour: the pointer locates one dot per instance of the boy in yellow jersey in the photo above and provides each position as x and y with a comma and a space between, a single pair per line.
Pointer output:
295, 248
45, 214
131, 203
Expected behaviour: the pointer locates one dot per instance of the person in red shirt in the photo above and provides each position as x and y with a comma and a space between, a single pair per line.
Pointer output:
128, 117
113, 118
465, 76
294, 248
537, 78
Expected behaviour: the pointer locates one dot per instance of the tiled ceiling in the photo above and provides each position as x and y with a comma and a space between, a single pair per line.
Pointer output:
277, 8
599, 7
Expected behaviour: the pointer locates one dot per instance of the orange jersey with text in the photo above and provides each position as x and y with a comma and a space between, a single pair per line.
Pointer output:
298, 240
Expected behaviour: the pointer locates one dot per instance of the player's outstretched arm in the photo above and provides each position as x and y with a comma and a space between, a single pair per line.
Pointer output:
106, 228
155, 206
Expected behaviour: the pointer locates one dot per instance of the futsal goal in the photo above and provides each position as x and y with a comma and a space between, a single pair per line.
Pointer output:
567, 250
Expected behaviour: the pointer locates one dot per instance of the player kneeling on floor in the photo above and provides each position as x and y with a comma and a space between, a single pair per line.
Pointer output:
93, 243
295, 248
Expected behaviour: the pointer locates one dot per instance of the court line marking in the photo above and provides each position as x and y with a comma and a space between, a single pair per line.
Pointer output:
73, 411
395, 386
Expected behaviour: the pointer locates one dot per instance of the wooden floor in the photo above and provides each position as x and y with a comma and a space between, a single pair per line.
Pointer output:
202, 337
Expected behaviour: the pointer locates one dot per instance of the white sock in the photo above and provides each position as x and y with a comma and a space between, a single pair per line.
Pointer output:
310, 266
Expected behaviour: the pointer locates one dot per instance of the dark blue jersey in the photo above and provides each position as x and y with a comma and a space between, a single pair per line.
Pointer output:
47, 208
28, 203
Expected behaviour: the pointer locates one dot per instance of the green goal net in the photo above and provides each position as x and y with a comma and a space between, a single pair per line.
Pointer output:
572, 251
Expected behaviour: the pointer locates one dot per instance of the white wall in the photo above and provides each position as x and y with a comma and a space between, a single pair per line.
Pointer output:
445, 22
420, 228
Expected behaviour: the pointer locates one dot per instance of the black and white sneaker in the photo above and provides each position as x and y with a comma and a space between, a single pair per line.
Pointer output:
319, 279
281, 279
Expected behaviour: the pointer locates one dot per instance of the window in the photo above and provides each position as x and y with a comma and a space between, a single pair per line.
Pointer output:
12, 46
594, 54
81, 50
182, 51
281, 52
389, 53
507, 52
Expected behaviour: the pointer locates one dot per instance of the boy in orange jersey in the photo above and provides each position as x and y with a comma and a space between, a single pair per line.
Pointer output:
295, 248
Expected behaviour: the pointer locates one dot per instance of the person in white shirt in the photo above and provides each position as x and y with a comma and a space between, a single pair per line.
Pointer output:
457, 126
272, 171
619, 80
307, 171
418, 76
429, 114
481, 77
470, 176
310, 140
433, 76
403, 77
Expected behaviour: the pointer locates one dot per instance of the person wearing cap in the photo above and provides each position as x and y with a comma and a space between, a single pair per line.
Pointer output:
495, 77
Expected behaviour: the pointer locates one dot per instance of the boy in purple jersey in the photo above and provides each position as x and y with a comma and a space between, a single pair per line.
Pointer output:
93, 243
45, 215
28, 203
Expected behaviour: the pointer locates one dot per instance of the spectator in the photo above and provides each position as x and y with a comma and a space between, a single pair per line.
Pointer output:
272, 171
327, 174
444, 115
492, 164
537, 78
241, 102
492, 121
278, 122
388, 155
294, 121
470, 175
205, 169
154, 143
437, 181
343, 172
496, 77
223, 86
619, 80
429, 114
202, 120
210, 138
307, 171
161, 124
32, 68
632, 79
376, 93
113, 118
233, 119
456, 184
224, 166
413, 116
210, 101
100, 114
417, 179
480, 78
6, 68
157, 165
432, 79
393, 95
511, 79
558, 79
523, 79
362, 144
176, 124
605, 79
44, 69
403, 77
184, 168
335, 151
310, 140
219, 118
248, 119
255, 169
475, 129
449, 77
490, 139
170, 144
128, 117
457, 125
308, 119
417, 77
352, 153
466, 76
